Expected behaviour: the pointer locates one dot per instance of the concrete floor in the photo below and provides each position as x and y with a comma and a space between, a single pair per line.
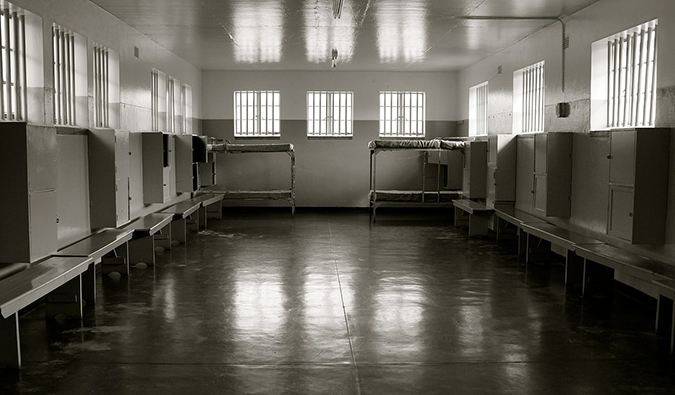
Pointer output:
324, 304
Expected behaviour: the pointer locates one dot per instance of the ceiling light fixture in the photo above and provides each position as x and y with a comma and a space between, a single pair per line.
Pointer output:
337, 8
334, 56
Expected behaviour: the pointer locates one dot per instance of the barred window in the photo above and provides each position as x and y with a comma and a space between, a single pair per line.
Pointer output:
402, 114
623, 86
13, 71
529, 90
478, 100
186, 108
101, 86
170, 105
330, 113
154, 103
257, 113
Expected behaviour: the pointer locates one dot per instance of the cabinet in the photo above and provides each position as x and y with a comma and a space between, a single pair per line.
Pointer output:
28, 174
185, 174
157, 149
207, 171
501, 170
552, 178
108, 177
474, 170
639, 160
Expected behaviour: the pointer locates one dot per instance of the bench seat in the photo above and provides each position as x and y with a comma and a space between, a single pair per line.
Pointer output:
107, 246
56, 278
211, 205
149, 231
508, 224
183, 217
478, 216
8, 269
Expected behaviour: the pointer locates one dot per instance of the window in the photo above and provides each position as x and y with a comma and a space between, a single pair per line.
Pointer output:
330, 113
186, 108
170, 105
528, 99
70, 77
154, 104
478, 99
402, 114
257, 113
106, 87
13, 71
623, 84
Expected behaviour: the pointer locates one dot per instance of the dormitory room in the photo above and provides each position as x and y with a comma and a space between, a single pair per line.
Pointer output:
337, 197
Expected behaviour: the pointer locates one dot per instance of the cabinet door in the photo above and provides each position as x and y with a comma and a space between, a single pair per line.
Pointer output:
42, 166
121, 177
43, 228
540, 151
491, 184
539, 195
621, 212
466, 183
493, 150
622, 157
524, 171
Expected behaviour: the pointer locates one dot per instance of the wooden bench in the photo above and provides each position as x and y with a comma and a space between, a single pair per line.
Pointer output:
59, 279
108, 247
508, 224
210, 204
149, 231
472, 214
183, 220
8, 269
665, 309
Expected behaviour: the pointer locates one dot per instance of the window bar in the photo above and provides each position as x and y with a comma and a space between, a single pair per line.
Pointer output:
631, 116
14, 61
610, 69
8, 55
648, 68
617, 72
639, 38
55, 51
71, 76
3, 112
63, 82
652, 95
626, 82
99, 76
542, 97
106, 89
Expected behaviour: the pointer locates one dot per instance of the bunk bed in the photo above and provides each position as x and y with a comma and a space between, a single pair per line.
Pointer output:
407, 198
225, 147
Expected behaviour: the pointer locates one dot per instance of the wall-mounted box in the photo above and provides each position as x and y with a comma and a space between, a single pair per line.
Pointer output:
475, 170
501, 170
552, 179
199, 149
157, 151
108, 177
639, 161
28, 177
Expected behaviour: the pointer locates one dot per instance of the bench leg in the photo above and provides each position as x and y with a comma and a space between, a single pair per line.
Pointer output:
574, 270
179, 231
192, 222
66, 300
537, 250
10, 357
665, 319
478, 225
142, 250
522, 242
89, 284
461, 218
597, 279
116, 261
163, 238
504, 231
202, 218
215, 211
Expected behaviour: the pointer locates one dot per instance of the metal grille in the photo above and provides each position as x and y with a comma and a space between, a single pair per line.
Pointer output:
154, 104
533, 98
170, 105
631, 73
63, 42
257, 113
101, 86
478, 99
402, 114
330, 113
13, 65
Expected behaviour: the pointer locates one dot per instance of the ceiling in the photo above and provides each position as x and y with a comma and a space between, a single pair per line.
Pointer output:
371, 35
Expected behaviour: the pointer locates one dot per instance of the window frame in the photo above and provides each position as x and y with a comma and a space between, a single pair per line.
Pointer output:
13, 98
529, 98
478, 106
345, 125
253, 122
395, 123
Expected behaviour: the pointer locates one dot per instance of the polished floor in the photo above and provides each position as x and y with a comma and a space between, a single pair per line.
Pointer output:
261, 303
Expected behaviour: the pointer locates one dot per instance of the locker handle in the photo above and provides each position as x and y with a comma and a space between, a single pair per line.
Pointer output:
630, 214
609, 156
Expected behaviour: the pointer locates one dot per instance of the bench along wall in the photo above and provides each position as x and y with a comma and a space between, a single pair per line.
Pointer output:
330, 172
590, 163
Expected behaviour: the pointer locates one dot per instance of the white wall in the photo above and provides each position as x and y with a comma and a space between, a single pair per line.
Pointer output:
96, 24
219, 86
